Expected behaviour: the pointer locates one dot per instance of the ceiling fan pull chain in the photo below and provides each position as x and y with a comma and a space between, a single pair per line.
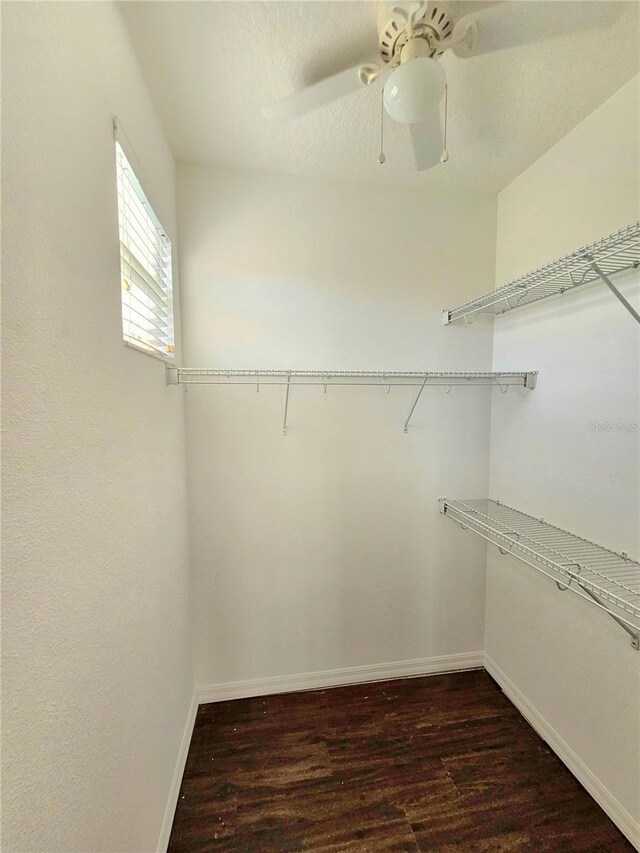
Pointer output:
445, 154
381, 157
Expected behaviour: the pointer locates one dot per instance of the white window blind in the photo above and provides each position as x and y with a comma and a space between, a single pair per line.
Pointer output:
145, 265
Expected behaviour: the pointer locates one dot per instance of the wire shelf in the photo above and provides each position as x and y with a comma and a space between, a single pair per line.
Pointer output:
616, 253
446, 379
217, 376
604, 577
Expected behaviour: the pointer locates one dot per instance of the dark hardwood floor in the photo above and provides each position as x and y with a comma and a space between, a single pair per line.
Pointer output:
444, 763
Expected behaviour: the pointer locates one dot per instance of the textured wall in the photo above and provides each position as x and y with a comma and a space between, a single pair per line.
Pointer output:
96, 661
325, 549
571, 661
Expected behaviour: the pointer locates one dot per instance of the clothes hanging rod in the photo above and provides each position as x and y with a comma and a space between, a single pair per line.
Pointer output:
598, 261
605, 578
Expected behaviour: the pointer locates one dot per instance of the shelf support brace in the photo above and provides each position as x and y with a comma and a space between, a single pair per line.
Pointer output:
415, 403
635, 636
614, 289
286, 405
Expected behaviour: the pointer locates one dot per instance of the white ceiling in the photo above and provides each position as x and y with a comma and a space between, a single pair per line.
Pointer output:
212, 66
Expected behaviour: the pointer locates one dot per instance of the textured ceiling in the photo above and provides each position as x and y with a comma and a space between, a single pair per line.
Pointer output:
212, 66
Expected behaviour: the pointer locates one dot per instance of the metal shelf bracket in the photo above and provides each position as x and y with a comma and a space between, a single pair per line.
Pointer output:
635, 635
614, 289
415, 403
286, 405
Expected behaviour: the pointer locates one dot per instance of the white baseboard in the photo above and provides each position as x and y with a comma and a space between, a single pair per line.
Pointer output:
174, 790
625, 822
339, 677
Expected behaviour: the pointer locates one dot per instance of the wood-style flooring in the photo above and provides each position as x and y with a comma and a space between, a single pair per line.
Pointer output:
444, 763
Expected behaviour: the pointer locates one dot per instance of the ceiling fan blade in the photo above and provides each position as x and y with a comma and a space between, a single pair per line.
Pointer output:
329, 89
426, 139
513, 24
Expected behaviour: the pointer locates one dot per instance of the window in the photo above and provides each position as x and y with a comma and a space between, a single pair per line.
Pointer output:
145, 265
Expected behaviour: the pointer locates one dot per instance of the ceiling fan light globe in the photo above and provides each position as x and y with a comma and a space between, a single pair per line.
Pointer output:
414, 89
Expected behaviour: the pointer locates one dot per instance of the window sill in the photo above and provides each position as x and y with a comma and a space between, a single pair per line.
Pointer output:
170, 358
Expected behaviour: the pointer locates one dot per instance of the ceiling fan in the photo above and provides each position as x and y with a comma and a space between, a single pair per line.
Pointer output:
411, 38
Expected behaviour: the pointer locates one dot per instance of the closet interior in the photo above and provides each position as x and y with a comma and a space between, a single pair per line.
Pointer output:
288, 288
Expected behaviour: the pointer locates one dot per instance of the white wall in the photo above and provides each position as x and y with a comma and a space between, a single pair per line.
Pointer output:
324, 549
572, 662
97, 677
